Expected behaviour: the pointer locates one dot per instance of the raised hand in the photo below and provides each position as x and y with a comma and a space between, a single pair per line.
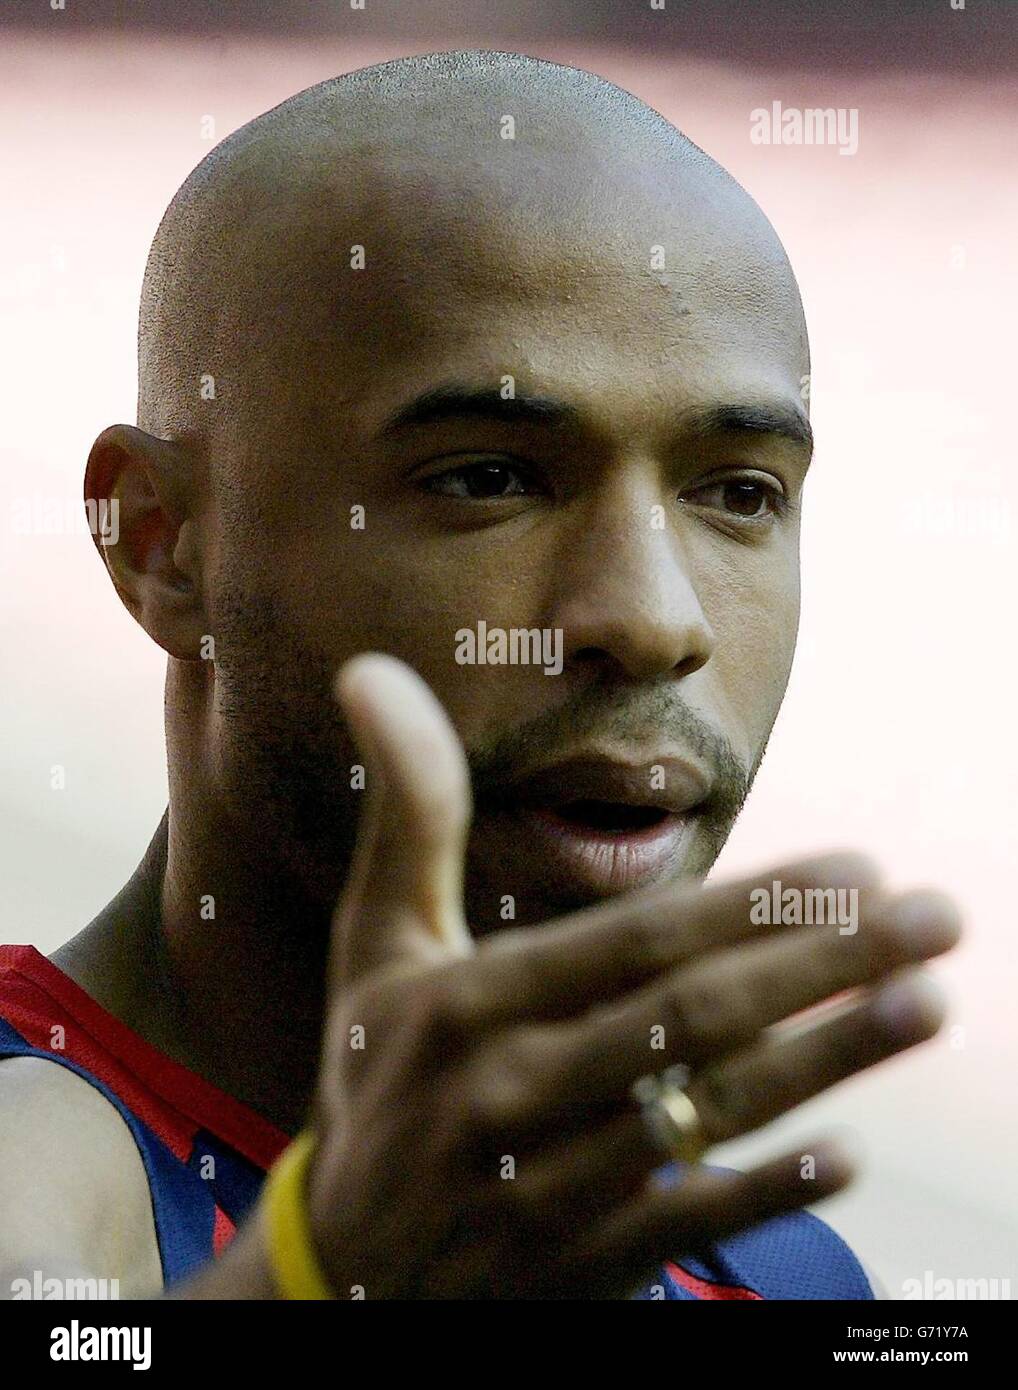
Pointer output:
477, 1135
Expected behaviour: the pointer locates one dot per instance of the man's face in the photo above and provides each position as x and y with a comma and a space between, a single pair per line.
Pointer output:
603, 462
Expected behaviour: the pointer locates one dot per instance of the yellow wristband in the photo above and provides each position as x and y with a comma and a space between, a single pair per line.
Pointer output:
291, 1255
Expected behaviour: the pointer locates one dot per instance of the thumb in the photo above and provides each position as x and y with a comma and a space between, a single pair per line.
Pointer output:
403, 900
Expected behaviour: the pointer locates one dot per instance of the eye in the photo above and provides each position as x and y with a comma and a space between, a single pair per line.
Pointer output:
747, 498
483, 481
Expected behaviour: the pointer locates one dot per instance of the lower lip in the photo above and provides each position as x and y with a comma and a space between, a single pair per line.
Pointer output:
605, 862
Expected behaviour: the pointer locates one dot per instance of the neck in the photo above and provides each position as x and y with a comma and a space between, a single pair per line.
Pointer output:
217, 962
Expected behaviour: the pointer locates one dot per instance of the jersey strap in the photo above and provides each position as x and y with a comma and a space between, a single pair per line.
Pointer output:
205, 1153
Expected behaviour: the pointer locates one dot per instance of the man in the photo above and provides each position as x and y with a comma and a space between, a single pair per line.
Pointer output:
472, 361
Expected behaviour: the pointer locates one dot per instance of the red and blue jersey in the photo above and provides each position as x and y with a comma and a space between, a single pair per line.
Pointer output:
206, 1154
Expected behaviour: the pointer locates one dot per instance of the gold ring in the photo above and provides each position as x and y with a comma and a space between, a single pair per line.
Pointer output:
671, 1115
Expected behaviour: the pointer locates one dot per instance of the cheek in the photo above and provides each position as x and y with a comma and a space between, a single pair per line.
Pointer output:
377, 590
753, 611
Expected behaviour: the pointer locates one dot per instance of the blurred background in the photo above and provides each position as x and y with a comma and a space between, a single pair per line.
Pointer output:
897, 732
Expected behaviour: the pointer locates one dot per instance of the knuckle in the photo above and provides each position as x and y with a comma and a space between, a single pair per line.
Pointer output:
643, 940
503, 1087
521, 1057
718, 1102
699, 1007
490, 1108
443, 1011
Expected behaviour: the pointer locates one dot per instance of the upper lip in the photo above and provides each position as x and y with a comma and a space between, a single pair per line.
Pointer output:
671, 783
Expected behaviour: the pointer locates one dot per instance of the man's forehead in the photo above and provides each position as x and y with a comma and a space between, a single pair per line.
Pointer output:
456, 272
633, 289
539, 225
588, 316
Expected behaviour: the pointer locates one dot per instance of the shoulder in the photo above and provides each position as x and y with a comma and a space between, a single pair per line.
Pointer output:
799, 1256
793, 1256
73, 1187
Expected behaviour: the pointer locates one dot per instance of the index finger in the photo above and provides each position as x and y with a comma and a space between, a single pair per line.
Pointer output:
596, 955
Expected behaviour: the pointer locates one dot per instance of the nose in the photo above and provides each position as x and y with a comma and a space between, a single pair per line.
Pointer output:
626, 595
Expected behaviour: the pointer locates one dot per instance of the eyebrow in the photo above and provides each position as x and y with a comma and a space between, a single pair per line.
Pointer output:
463, 402
783, 421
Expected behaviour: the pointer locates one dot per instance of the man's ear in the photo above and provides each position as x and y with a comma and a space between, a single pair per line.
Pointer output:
141, 496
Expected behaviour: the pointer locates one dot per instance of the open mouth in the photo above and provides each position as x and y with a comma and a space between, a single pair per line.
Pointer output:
598, 847
590, 826
609, 817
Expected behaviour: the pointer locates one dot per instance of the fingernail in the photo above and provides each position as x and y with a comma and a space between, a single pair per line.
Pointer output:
834, 1161
844, 1141
910, 1004
929, 919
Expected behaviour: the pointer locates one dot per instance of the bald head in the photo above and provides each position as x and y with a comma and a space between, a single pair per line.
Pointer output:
431, 164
